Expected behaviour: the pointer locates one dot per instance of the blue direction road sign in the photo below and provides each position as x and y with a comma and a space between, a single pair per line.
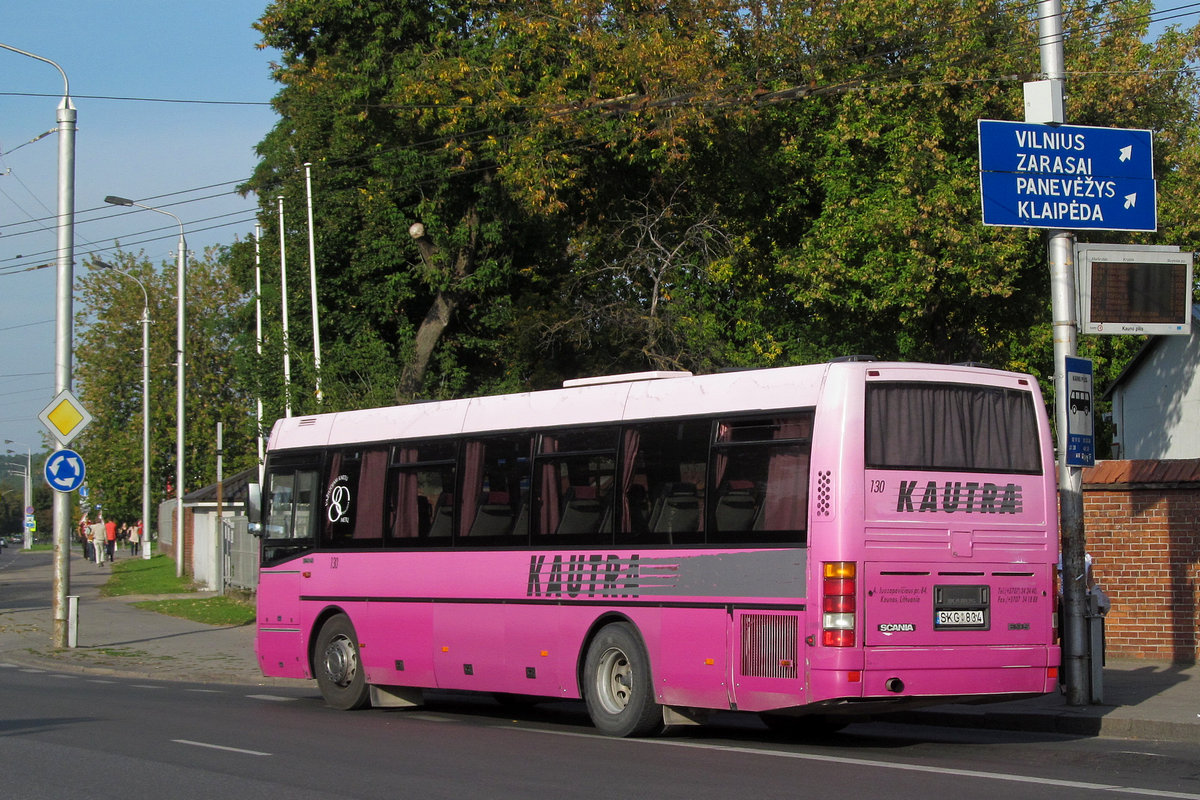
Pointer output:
64, 470
1072, 177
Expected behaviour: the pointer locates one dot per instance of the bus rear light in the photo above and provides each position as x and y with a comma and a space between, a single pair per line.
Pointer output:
839, 587
837, 622
839, 569
837, 638
838, 604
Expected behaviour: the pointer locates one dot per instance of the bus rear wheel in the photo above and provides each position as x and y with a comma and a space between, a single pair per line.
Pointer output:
338, 667
617, 686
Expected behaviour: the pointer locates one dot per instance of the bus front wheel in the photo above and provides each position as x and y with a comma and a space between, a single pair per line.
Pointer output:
617, 685
338, 666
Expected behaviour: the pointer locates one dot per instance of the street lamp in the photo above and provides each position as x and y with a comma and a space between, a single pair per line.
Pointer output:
28, 486
145, 538
179, 353
63, 330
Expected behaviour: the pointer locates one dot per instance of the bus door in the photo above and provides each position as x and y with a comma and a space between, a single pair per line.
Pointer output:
289, 517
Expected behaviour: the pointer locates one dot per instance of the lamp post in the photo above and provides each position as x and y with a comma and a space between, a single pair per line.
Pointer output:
63, 330
28, 486
179, 354
145, 533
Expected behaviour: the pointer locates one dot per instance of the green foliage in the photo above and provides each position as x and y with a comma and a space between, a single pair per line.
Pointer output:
109, 379
665, 184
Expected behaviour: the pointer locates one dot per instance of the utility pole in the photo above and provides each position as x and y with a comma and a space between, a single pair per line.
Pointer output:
64, 328
1060, 253
312, 281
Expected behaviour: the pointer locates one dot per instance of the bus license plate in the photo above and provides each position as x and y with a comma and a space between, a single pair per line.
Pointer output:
959, 618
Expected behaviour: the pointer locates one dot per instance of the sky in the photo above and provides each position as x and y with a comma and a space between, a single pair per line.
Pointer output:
171, 98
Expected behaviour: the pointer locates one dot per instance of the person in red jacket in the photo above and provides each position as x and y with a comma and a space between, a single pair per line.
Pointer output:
110, 534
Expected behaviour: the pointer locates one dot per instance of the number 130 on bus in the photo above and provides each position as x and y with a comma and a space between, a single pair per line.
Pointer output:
807, 543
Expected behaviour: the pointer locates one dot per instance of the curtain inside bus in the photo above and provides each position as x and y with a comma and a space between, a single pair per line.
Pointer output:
951, 427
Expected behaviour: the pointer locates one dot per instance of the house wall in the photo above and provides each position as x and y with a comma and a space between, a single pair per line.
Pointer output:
1142, 529
203, 558
1156, 409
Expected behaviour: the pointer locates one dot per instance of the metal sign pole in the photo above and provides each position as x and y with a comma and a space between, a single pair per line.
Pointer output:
1061, 253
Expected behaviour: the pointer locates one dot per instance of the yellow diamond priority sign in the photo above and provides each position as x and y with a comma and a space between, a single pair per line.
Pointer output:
65, 417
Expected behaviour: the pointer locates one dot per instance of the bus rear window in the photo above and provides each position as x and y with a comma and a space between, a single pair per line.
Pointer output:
951, 428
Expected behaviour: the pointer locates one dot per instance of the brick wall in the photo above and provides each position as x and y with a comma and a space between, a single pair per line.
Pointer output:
189, 539
1142, 525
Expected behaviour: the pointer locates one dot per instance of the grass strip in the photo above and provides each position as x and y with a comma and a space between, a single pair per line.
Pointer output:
224, 611
155, 575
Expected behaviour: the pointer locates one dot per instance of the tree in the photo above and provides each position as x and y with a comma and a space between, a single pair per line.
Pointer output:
826, 151
109, 379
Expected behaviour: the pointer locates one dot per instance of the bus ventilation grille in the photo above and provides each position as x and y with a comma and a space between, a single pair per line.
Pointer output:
824, 487
769, 645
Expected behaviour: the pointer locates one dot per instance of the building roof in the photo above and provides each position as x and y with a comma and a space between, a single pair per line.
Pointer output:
1161, 472
233, 489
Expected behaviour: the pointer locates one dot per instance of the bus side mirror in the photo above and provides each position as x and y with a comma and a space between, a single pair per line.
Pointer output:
254, 509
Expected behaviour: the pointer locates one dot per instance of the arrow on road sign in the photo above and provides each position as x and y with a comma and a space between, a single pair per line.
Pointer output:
65, 470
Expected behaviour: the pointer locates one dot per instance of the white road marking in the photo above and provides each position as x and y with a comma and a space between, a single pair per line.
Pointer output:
221, 747
274, 698
868, 762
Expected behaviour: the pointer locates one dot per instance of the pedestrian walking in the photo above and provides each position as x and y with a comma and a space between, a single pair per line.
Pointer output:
110, 539
135, 538
96, 536
84, 541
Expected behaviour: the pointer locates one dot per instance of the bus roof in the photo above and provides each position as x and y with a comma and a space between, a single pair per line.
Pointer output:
641, 396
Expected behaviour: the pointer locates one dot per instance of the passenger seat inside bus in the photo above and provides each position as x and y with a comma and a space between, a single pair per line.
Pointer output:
443, 515
736, 506
583, 513
677, 510
494, 516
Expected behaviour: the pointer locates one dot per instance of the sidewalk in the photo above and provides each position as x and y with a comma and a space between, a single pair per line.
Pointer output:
114, 637
1146, 700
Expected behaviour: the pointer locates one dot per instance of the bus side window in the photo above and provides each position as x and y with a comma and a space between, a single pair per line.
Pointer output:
494, 508
574, 477
662, 489
760, 480
419, 507
354, 494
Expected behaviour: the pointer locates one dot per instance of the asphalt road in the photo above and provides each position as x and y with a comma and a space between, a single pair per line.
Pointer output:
66, 735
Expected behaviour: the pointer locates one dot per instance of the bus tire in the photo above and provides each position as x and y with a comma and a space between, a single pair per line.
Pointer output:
338, 667
617, 685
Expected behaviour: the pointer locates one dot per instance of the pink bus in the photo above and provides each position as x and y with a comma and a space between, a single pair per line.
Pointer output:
807, 543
